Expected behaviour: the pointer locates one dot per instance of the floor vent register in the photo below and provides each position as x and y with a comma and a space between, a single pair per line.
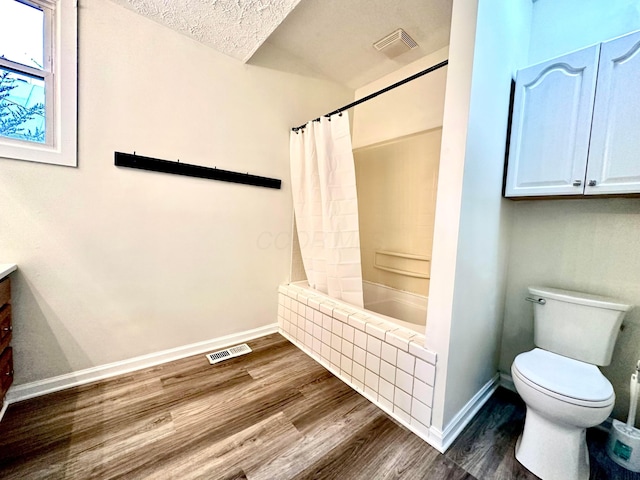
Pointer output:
227, 353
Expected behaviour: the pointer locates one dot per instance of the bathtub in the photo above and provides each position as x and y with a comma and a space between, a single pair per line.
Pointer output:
406, 309
383, 358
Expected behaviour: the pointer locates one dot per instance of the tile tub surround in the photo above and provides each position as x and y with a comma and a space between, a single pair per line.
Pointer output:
384, 362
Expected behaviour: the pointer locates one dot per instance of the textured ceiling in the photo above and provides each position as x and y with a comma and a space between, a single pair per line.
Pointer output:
234, 27
332, 37
335, 37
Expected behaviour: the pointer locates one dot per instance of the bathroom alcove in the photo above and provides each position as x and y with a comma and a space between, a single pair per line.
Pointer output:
470, 239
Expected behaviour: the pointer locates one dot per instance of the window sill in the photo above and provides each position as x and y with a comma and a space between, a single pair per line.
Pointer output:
38, 153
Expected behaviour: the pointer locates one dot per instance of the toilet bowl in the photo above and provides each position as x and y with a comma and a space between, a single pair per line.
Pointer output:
560, 383
564, 397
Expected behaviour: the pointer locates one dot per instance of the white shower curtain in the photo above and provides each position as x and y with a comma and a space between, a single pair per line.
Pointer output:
323, 182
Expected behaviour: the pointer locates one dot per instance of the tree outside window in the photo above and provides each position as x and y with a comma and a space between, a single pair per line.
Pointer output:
22, 113
38, 81
22, 74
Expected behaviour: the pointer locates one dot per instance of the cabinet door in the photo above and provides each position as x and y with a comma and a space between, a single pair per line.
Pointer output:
5, 292
551, 123
5, 327
614, 155
6, 371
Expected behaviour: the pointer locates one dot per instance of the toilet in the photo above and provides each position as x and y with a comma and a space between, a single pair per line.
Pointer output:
560, 383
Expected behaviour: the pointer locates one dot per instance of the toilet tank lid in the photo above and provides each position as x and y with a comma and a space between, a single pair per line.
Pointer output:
580, 298
565, 376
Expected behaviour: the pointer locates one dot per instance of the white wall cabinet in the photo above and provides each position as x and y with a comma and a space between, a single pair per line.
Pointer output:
570, 137
614, 152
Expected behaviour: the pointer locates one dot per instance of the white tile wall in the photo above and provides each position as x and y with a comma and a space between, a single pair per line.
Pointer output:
425, 372
347, 348
359, 355
404, 381
421, 412
386, 389
345, 364
388, 372
374, 345
386, 363
373, 363
348, 333
402, 400
389, 353
358, 372
406, 362
360, 339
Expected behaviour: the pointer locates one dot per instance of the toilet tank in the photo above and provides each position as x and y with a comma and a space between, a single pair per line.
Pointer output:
577, 325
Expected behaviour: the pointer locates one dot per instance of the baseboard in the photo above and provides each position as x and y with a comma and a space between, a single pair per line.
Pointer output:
442, 440
82, 377
506, 381
5, 404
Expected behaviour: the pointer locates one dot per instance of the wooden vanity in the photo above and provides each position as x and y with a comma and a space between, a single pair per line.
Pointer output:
6, 329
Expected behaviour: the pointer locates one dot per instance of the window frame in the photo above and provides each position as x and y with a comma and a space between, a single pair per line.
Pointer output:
60, 76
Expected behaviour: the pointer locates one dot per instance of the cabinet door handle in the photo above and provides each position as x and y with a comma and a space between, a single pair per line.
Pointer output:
592, 183
9, 374
8, 329
577, 183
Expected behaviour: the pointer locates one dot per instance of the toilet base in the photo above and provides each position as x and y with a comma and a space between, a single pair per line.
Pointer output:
553, 451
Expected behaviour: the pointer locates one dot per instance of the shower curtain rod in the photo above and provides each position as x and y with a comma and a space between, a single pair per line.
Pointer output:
379, 92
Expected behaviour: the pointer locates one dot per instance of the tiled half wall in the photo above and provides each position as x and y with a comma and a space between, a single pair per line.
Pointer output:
384, 362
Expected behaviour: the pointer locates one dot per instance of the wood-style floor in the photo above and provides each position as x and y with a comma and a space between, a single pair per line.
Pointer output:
272, 414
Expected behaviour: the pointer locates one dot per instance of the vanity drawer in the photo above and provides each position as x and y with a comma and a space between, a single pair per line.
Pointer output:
5, 291
6, 371
5, 327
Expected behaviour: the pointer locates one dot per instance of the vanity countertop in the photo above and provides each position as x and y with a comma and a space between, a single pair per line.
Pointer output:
6, 269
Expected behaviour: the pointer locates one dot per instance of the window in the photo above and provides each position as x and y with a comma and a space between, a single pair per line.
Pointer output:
38, 72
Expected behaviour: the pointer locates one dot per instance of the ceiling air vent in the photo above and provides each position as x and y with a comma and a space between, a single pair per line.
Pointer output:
395, 43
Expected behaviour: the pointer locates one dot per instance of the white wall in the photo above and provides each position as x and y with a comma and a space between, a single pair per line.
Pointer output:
587, 245
559, 27
584, 245
414, 107
472, 220
116, 263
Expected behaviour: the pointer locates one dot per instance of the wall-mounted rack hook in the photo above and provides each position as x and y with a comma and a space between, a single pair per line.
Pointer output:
177, 168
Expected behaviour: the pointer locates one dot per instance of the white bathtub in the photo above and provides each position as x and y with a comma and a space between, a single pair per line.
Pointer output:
366, 350
405, 309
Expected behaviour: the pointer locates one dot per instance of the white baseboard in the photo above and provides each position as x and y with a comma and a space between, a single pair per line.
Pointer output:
81, 377
506, 381
442, 440
5, 404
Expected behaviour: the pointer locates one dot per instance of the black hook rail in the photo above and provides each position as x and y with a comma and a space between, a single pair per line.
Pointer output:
177, 168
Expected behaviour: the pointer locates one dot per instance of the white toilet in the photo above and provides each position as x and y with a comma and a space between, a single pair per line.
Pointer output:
563, 389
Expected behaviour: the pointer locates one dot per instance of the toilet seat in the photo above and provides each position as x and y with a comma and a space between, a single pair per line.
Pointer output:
564, 378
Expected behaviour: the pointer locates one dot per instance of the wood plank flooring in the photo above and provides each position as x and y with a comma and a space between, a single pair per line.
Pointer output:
272, 414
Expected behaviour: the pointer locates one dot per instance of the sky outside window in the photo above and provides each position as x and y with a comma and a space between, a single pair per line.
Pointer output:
21, 33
